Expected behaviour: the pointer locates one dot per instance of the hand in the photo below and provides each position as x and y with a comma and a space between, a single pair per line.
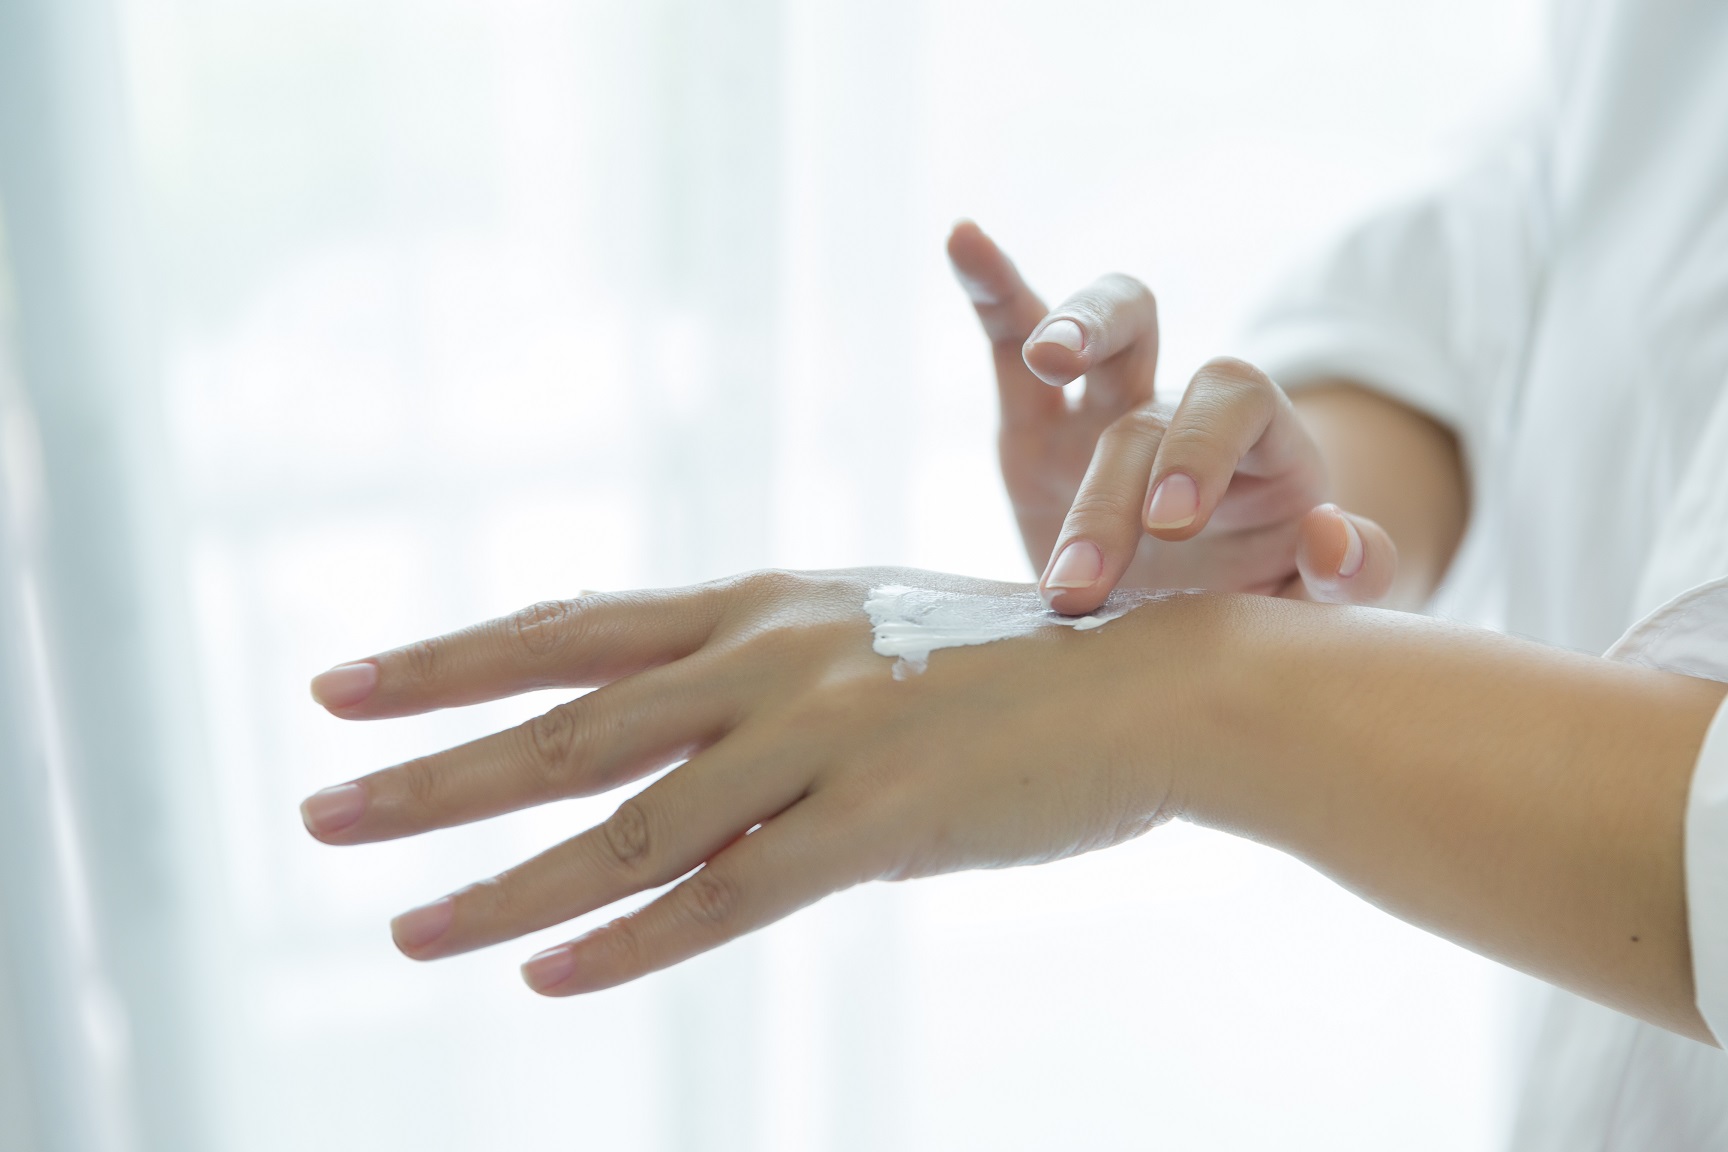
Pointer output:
1225, 491
810, 767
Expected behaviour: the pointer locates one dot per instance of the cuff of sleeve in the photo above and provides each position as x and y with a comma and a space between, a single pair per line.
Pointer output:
1707, 876
1297, 350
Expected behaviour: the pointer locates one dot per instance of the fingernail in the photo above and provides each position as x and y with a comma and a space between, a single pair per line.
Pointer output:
1063, 332
419, 927
1354, 554
1174, 504
333, 809
345, 684
550, 968
1077, 567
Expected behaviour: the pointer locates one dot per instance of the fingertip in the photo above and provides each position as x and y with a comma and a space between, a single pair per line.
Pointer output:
1074, 584
1354, 552
1345, 558
1077, 566
345, 685
1077, 602
958, 238
332, 810
968, 244
1061, 332
546, 972
1324, 541
415, 931
1056, 352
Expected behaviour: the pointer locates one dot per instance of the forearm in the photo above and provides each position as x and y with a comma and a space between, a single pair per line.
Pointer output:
1525, 802
1397, 467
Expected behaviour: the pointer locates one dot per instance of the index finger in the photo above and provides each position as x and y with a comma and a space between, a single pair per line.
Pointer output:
1008, 311
579, 643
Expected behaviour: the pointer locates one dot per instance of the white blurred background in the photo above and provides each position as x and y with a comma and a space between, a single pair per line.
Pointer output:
331, 324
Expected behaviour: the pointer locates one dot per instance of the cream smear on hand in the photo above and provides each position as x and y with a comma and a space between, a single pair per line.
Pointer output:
911, 623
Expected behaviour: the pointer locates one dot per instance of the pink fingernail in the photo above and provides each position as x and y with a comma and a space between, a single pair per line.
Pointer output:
548, 969
1078, 566
420, 926
1174, 504
1063, 332
1354, 553
345, 684
333, 809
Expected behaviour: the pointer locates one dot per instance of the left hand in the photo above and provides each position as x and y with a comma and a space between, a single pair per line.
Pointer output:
810, 768
1226, 490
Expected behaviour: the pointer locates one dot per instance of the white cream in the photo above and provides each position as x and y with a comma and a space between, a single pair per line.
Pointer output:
911, 623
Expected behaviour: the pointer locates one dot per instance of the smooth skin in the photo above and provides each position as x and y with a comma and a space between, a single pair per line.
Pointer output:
1525, 802
1250, 477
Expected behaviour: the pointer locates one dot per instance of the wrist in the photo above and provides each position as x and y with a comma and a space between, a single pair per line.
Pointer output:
1188, 697
1305, 715
1268, 697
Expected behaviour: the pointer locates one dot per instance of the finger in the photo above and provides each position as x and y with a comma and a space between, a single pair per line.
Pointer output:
588, 746
1008, 311
554, 644
1343, 558
1102, 531
1234, 427
1109, 333
790, 862
652, 839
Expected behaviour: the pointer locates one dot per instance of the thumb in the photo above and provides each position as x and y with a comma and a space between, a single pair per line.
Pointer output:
1344, 559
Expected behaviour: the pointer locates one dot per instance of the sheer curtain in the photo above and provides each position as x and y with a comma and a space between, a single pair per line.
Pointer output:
345, 322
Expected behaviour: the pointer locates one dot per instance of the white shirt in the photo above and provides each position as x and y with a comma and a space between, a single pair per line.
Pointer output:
1564, 307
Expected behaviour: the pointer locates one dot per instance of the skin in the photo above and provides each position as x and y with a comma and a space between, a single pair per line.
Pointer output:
1267, 470
1525, 802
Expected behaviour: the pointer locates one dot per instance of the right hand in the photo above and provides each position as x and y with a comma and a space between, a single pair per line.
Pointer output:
1225, 491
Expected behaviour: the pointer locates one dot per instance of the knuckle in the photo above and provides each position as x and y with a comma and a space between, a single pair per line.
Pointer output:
712, 898
551, 739
1227, 397
1146, 425
1103, 507
1130, 289
423, 659
1194, 438
494, 899
627, 837
741, 596
538, 627
625, 949
421, 784
773, 583
1230, 373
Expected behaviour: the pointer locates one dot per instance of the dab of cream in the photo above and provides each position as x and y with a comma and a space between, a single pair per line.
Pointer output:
911, 623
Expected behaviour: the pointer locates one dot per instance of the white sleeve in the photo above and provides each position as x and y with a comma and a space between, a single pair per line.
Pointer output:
1707, 876
1431, 300
1689, 635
